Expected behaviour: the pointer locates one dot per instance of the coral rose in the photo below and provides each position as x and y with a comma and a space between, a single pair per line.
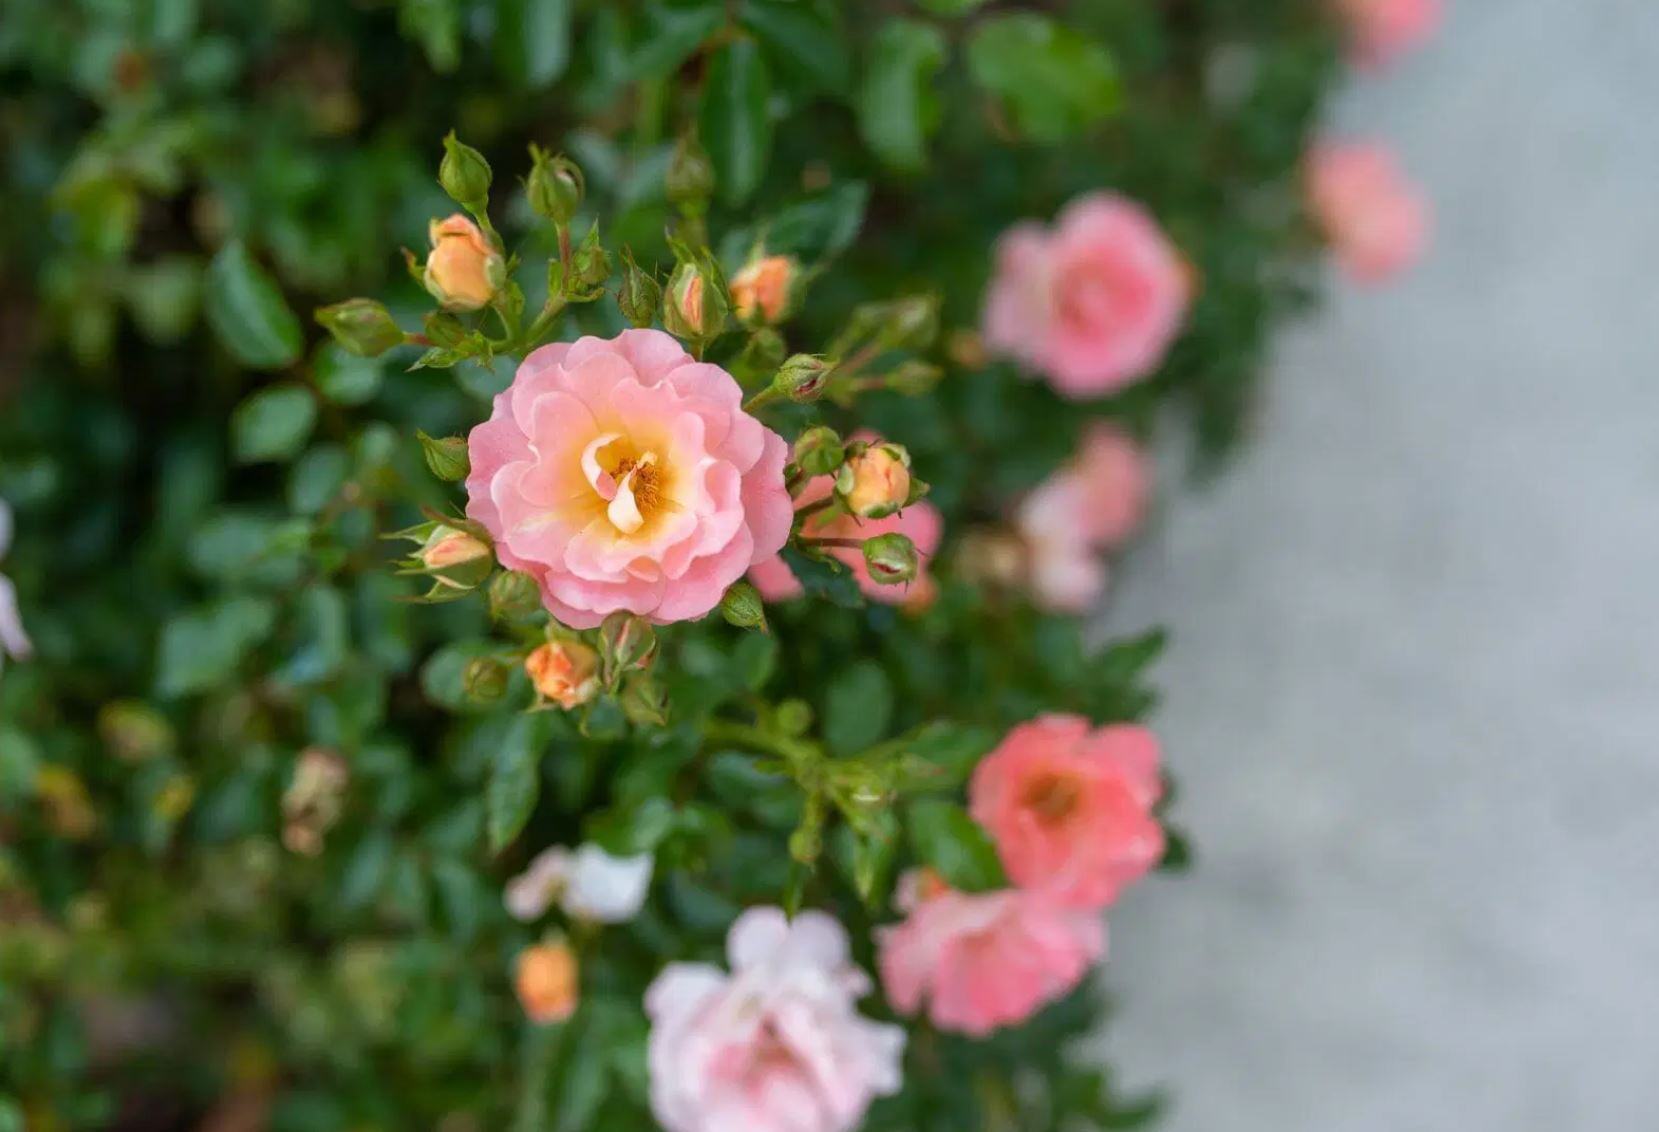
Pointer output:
623, 475
920, 522
1094, 303
1376, 222
463, 270
775, 1046
760, 291
1086, 508
1379, 31
564, 672
1070, 807
983, 960
546, 978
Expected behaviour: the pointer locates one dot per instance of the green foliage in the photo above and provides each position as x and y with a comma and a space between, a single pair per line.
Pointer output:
203, 483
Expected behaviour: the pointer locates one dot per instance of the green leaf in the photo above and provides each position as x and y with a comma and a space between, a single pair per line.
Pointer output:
514, 782
733, 123
805, 37
633, 830
322, 627
946, 838
436, 26
672, 34
858, 706
273, 424
1055, 81
897, 108
825, 578
246, 310
202, 649
343, 377
817, 227
532, 40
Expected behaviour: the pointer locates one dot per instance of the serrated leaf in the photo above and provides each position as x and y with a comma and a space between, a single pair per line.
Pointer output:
897, 109
514, 783
858, 705
532, 40
273, 424
1054, 80
805, 36
945, 838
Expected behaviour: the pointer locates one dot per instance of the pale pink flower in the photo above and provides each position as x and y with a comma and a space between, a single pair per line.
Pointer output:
1375, 220
920, 522
1379, 31
589, 884
776, 1045
1092, 304
14, 641
623, 475
982, 961
1085, 509
1070, 807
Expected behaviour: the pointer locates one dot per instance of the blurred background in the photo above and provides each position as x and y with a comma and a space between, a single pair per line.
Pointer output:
1411, 694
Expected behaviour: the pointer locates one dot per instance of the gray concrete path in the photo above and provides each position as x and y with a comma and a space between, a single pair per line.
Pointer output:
1413, 693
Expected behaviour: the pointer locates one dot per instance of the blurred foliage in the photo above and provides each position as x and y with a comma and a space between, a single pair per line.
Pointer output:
201, 478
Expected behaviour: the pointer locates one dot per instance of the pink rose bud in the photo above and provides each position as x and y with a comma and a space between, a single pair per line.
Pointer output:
456, 558
464, 270
546, 978
1379, 31
1375, 220
875, 482
693, 308
891, 559
564, 672
761, 291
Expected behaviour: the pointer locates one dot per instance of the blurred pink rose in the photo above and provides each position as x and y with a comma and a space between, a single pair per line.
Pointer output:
622, 474
1094, 303
920, 522
1379, 31
983, 960
775, 1046
1078, 513
1070, 807
1375, 220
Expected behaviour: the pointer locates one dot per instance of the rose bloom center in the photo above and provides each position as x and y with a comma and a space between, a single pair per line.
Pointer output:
1052, 797
629, 479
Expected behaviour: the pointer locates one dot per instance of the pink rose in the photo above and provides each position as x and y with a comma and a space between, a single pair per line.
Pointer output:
1379, 31
1070, 807
985, 960
1084, 509
1092, 304
622, 474
775, 1046
920, 522
1375, 220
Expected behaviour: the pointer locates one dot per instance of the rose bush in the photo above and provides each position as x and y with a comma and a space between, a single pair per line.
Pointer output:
725, 747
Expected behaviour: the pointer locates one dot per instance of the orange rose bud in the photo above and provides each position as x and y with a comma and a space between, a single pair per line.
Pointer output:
760, 292
546, 979
875, 482
565, 672
464, 270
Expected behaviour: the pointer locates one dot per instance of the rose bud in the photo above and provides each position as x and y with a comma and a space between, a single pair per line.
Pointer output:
484, 679
513, 596
446, 457
590, 264
761, 291
694, 307
875, 482
555, 186
802, 377
690, 175
464, 174
641, 294
546, 979
564, 672
891, 559
463, 271
819, 451
455, 558
743, 608
364, 327
627, 643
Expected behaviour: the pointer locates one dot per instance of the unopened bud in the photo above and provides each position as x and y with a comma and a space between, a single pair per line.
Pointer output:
464, 174
641, 294
792, 717
446, 457
547, 978
802, 377
513, 596
444, 329
694, 307
690, 175
456, 558
463, 270
891, 559
875, 482
761, 291
134, 731
911, 323
644, 702
564, 672
819, 451
484, 679
627, 643
741, 606
590, 263
364, 327
555, 186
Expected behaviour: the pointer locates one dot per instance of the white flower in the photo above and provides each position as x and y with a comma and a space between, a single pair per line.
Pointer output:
589, 884
775, 1046
13, 640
